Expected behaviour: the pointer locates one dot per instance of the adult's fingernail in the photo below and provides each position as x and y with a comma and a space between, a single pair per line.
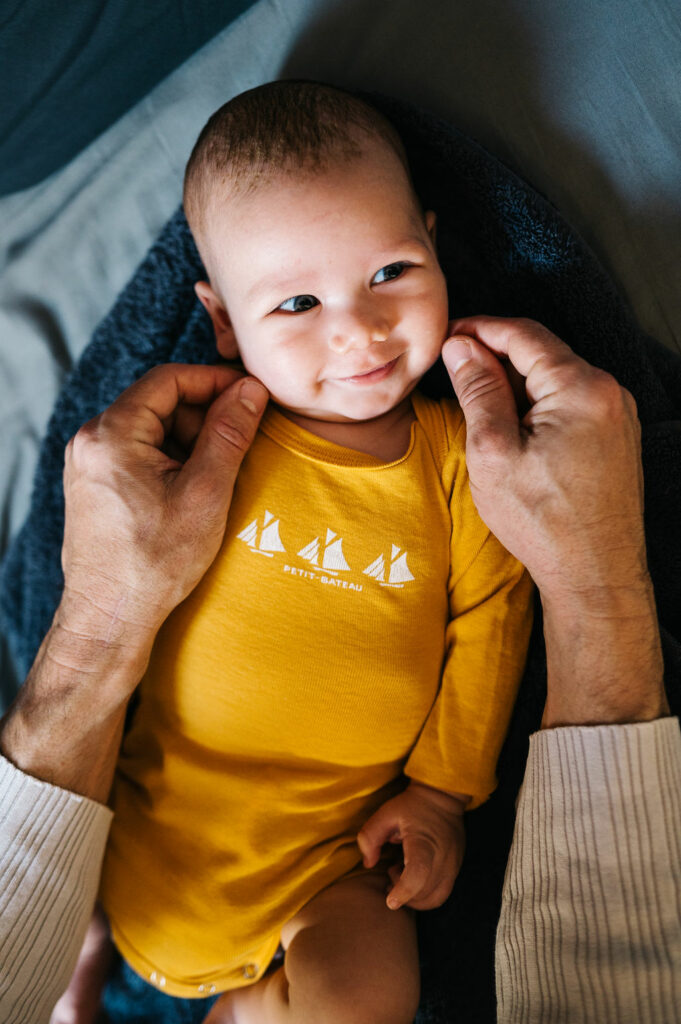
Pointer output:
253, 395
459, 351
393, 903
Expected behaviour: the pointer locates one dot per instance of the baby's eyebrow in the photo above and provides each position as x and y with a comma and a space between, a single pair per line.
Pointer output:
268, 284
289, 284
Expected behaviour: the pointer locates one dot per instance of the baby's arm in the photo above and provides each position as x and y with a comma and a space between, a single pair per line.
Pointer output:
429, 824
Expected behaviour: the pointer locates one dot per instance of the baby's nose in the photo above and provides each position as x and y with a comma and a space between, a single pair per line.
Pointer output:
358, 329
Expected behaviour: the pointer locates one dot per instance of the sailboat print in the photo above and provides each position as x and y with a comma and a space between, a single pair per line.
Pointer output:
399, 573
270, 540
333, 559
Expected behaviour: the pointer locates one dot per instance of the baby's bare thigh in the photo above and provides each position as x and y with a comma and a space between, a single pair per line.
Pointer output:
350, 958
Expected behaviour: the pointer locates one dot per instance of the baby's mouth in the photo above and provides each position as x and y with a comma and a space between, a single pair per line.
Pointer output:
371, 376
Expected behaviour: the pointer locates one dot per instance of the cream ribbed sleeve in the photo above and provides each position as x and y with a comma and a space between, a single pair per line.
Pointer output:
51, 848
590, 929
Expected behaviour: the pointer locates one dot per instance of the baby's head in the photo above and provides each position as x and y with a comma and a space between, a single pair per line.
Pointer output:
323, 273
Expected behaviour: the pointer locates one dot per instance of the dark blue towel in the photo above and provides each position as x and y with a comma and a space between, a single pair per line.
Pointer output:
504, 250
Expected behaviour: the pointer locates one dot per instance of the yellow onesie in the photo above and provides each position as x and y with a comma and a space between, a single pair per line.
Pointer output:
359, 623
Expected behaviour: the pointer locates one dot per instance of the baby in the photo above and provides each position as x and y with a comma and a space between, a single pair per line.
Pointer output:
342, 678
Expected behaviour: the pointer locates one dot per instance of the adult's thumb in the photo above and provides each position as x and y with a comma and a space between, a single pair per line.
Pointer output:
226, 435
484, 392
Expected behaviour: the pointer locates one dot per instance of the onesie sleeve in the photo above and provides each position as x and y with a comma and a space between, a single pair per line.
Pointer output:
490, 618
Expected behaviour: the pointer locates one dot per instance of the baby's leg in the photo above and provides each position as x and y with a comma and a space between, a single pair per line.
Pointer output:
349, 960
80, 1003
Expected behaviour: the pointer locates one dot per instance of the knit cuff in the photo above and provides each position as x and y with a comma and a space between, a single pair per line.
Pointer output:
591, 919
51, 849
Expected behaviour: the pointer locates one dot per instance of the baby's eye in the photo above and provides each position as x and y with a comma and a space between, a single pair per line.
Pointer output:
298, 304
389, 273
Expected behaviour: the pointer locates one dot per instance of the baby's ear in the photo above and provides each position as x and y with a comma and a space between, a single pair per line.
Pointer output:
222, 325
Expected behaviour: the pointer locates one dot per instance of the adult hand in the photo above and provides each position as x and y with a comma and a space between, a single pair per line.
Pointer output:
562, 488
147, 486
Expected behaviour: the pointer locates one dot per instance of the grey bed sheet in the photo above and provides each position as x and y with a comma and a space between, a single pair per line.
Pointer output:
582, 100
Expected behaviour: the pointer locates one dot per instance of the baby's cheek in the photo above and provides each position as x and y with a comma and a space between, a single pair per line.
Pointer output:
286, 369
428, 337
431, 308
264, 365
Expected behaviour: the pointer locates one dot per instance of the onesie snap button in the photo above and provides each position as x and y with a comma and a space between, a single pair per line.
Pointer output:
212, 989
249, 970
202, 988
162, 981
153, 976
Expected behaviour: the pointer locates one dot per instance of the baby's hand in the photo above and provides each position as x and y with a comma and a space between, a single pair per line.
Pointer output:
429, 825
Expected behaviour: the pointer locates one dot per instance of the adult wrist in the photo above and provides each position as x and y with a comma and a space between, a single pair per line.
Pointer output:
101, 636
66, 723
604, 656
598, 595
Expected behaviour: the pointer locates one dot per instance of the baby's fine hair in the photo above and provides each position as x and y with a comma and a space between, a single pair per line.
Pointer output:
280, 126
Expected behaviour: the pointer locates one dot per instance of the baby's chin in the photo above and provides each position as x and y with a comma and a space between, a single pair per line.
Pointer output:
350, 413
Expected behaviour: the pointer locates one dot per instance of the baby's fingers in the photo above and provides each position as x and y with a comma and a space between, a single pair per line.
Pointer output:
416, 878
382, 827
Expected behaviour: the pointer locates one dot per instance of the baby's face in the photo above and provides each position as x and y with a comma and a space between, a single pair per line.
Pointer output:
330, 287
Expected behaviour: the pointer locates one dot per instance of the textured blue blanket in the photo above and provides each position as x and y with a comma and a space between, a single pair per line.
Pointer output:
504, 250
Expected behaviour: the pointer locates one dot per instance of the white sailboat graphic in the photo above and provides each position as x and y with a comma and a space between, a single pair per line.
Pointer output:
333, 559
270, 541
399, 573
